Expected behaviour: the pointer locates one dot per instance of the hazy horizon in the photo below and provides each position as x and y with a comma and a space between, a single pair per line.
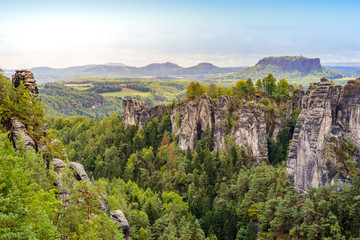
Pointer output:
137, 33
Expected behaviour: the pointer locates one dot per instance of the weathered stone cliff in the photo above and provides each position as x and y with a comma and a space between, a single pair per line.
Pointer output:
137, 112
250, 130
28, 79
329, 114
191, 118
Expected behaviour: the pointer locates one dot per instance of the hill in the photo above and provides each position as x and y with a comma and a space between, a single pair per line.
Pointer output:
97, 98
347, 71
295, 69
163, 70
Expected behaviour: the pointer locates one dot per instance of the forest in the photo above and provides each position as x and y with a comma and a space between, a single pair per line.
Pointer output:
164, 192
97, 98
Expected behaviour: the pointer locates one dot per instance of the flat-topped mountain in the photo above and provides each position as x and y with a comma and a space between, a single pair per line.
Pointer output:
292, 63
296, 69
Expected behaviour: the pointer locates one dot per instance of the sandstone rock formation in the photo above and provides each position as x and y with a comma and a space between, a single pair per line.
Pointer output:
80, 173
250, 130
18, 133
28, 79
221, 115
328, 111
119, 218
135, 112
191, 118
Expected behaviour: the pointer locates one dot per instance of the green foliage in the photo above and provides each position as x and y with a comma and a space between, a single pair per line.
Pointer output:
65, 101
269, 84
282, 90
26, 203
278, 150
18, 102
194, 90
101, 97
166, 193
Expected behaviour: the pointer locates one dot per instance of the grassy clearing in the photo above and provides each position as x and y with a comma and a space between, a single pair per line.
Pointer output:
81, 88
125, 93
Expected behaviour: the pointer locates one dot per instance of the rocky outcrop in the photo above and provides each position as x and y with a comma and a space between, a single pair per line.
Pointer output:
80, 173
190, 119
250, 130
119, 218
328, 112
221, 116
19, 133
29, 81
248, 126
135, 112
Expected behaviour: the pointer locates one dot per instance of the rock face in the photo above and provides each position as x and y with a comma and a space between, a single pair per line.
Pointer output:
328, 111
135, 112
19, 133
221, 115
250, 130
29, 81
190, 119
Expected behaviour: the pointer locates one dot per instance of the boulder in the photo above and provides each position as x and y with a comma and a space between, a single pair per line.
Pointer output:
80, 173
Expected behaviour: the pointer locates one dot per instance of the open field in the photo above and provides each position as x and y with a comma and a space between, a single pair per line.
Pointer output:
79, 85
125, 92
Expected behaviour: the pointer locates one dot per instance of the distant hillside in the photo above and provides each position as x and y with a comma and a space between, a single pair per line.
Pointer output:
97, 98
348, 71
160, 70
295, 69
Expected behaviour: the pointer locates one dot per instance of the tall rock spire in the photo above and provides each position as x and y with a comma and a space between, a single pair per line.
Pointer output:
29, 81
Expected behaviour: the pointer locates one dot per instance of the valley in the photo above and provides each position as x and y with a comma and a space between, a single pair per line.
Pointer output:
163, 157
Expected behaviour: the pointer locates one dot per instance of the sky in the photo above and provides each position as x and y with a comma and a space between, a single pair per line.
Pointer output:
139, 32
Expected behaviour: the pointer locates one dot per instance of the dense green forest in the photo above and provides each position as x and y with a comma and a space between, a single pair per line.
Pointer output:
225, 195
96, 98
165, 193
